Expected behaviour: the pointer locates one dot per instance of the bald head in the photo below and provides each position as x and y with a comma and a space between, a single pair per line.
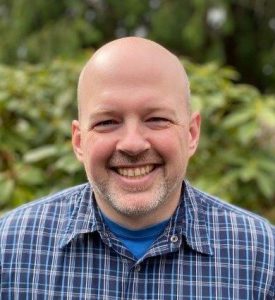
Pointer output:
128, 60
135, 134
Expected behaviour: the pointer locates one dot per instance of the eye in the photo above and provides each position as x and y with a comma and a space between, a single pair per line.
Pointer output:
105, 125
158, 122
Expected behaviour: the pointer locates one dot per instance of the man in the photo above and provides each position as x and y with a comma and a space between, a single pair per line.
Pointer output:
138, 230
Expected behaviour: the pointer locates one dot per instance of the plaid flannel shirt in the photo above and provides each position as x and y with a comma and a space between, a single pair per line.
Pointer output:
59, 248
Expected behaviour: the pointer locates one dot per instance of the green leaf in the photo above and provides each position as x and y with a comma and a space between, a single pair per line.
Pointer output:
69, 164
6, 188
29, 175
237, 119
40, 153
265, 184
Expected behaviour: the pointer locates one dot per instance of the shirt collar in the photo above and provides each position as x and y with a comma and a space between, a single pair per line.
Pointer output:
195, 211
82, 218
190, 218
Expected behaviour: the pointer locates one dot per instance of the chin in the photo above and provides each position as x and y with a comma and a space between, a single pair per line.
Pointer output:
136, 204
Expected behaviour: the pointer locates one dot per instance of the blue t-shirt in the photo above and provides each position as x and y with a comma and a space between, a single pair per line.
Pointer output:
137, 241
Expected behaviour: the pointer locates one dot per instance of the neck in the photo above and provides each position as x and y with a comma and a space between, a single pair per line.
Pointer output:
135, 222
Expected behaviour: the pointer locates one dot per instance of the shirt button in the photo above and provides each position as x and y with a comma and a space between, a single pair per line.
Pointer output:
138, 268
174, 239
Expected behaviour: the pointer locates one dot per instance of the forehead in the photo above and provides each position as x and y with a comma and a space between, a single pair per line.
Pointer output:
132, 74
131, 95
142, 80
135, 98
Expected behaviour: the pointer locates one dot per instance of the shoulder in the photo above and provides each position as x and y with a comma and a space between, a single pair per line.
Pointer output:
240, 239
48, 209
224, 216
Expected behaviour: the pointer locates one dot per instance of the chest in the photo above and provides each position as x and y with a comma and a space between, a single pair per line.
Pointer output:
89, 269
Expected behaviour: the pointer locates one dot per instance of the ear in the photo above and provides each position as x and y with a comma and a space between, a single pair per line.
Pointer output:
76, 140
194, 132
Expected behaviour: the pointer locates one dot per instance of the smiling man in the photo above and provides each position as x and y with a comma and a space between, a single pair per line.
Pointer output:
138, 229
135, 133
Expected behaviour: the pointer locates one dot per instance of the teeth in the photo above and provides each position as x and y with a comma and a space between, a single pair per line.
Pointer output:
135, 172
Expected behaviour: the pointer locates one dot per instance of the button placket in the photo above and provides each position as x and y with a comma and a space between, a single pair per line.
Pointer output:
137, 268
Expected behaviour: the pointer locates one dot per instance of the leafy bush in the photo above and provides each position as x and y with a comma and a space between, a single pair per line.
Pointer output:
233, 32
37, 104
237, 147
235, 159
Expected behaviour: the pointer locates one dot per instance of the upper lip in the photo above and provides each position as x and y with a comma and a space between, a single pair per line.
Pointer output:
133, 165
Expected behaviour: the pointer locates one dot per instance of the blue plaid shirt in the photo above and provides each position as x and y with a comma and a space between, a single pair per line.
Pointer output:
59, 248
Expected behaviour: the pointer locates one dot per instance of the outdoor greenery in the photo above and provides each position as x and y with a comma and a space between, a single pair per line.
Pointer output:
235, 159
240, 33
44, 44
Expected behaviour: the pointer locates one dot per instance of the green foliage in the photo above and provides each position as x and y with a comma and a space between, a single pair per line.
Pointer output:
238, 33
37, 104
235, 159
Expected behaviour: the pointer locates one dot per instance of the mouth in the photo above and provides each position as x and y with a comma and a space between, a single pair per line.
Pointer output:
134, 172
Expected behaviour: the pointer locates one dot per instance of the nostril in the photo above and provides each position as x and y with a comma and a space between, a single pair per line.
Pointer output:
133, 146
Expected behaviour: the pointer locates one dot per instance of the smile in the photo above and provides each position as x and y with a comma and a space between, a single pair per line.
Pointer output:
135, 172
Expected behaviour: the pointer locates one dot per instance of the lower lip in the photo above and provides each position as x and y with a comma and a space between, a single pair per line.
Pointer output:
136, 183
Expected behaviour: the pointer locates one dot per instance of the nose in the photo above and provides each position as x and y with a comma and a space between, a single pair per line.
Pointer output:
132, 140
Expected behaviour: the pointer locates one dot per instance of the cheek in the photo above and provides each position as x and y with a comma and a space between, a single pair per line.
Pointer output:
171, 144
98, 150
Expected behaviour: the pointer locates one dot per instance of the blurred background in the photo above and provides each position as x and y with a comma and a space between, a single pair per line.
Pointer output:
227, 47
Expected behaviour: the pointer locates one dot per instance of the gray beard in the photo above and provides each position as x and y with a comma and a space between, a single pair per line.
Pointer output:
112, 199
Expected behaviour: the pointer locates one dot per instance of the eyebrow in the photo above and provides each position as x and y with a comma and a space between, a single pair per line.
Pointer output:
109, 111
97, 114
